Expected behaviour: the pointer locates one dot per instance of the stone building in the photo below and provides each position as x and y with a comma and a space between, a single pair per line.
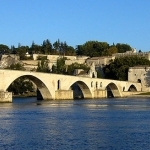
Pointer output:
91, 73
140, 74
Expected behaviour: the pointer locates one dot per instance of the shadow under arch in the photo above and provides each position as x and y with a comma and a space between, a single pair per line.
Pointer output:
112, 90
43, 92
80, 90
132, 88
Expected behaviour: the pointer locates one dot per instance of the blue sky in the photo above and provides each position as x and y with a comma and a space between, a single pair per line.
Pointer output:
75, 21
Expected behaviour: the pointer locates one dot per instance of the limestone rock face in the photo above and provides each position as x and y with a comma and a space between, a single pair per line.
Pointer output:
8, 60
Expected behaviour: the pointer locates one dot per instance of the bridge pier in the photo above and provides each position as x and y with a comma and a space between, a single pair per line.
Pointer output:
100, 93
5, 96
64, 94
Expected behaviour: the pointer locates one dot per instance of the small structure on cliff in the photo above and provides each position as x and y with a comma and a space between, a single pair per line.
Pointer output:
91, 73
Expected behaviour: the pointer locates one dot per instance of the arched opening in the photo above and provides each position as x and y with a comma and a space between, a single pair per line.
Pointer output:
93, 75
80, 90
29, 85
139, 80
132, 88
112, 90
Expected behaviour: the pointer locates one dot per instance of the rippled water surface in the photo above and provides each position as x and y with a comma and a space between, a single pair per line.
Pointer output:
110, 124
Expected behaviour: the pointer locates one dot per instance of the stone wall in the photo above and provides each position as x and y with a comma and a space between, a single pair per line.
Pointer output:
5, 96
64, 94
141, 75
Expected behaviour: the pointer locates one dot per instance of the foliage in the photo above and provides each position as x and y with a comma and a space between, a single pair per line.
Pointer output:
95, 49
43, 66
123, 47
21, 85
4, 49
118, 69
21, 51
89, 48
72, 67
92, 48
110, 51
60, 68
17, 66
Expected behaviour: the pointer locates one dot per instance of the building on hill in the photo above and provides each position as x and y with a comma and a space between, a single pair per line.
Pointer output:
140, 74
91, 73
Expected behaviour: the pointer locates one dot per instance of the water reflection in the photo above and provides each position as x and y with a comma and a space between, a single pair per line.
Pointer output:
82, 124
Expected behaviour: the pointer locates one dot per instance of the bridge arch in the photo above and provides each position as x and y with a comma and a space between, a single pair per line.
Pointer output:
132, 88
112, 90
80, 90
41, 87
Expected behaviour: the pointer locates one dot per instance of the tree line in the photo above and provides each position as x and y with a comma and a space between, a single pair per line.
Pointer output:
118, 69
89, 48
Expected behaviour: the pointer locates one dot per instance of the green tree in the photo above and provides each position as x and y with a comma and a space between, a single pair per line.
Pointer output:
35, 49
43, 66
123, 47
17, 66
21, 86
110, 51
72, 67
21, 51
4, 49
56, 46
61, 67
46, 47
92, 48
118, 69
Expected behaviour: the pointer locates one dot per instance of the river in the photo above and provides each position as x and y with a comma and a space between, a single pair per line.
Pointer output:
107, 124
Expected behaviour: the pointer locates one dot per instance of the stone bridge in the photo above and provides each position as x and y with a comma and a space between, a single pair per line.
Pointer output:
57, 86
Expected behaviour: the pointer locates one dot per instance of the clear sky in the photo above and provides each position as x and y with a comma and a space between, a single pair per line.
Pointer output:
75, 21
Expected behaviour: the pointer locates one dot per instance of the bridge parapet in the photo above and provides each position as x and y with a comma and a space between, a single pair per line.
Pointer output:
57, 86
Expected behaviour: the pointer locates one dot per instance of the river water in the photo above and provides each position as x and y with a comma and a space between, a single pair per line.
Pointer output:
111, 124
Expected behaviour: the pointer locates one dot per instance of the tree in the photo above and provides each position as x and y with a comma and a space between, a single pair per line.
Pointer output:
123, 47
21, 51
110, 51
56, 46
43, 66
46, 47
21, 86
70, 51
72, 67
35, 49
4, 49
92, 48
118, 69
17, 66
13, 50
60, 67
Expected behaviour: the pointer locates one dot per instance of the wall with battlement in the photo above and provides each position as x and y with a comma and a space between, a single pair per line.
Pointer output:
143, 54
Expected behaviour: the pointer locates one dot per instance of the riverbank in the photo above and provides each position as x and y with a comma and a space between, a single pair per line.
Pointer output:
29, 94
